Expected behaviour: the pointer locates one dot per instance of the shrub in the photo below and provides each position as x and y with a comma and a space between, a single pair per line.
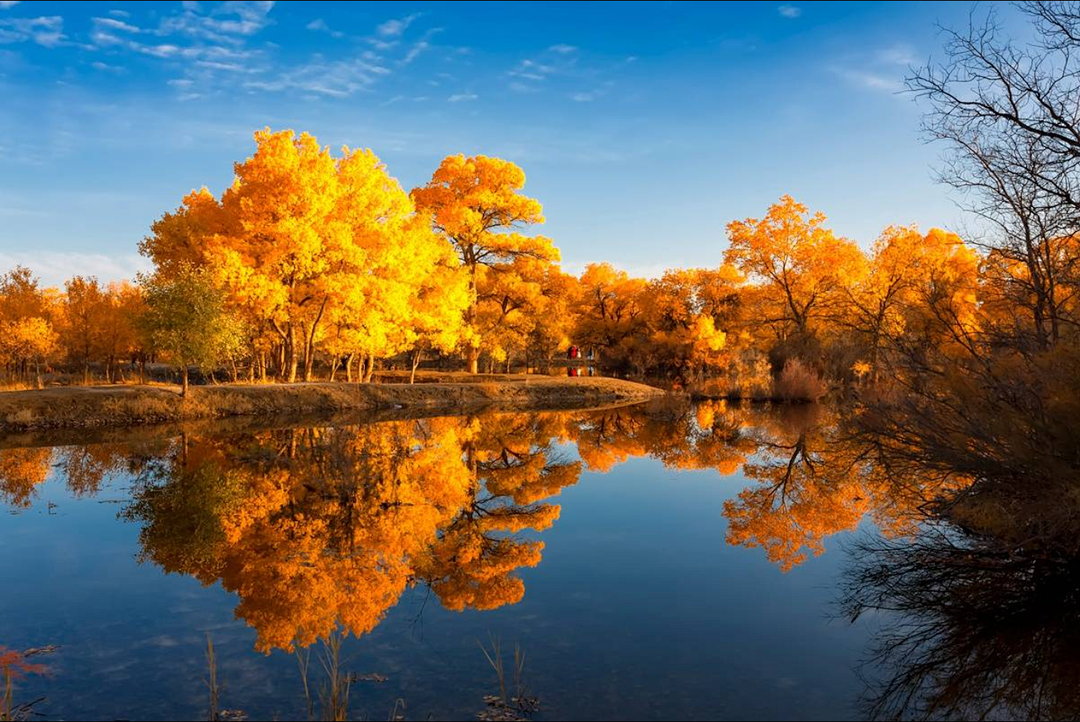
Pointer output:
798, 382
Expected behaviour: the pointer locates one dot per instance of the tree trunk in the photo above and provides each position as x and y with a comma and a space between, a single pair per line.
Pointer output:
235, 373
472, 359
184, 387
290, 356
369, 372
348, 367
334, 368
309, 359
415, 362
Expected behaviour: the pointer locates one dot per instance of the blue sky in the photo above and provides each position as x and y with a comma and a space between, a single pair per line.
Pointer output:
643, 128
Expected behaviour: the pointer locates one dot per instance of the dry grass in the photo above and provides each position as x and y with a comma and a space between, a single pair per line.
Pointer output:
799, 383
102, 406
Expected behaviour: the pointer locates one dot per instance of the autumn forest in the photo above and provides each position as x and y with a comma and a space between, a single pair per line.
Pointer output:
822, 476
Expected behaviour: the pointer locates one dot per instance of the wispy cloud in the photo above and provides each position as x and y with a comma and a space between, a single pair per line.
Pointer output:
335, 78
789, 11
47, 31
529, 69
880, 70
564, 69
119, 25
53, 268
5, 4
462, 97
222, 22
899, 54
106, 68
394, 28
870, 80
319, 25
229, 23
415, 50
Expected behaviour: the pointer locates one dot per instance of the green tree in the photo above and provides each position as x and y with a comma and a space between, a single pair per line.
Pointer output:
186, 319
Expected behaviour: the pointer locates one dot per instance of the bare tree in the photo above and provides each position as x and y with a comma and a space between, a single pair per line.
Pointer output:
1010, 116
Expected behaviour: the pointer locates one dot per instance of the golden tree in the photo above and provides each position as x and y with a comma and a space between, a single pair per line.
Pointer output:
803, 267
317, 252
476, 204
85, 318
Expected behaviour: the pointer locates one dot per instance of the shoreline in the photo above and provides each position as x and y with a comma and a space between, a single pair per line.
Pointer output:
89, 407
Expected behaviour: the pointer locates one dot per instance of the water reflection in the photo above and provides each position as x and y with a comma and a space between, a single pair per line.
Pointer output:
973, 633
433, 499
321, 529
317, 527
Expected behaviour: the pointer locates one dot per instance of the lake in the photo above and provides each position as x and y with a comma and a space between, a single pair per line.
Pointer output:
661, 562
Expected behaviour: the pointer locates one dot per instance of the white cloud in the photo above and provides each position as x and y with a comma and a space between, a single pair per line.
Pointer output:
789, 11
114, 24
228, 67
394, 28
381, 44
106, 68
899, 54
531, 70
420, 46
46, 31
415, 51
870, 80
462, 97
563, 49
319, 25
340, 78
228, 22
55, 267
585, 97
5, 4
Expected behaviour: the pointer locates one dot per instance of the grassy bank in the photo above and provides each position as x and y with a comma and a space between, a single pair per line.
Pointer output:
101, 406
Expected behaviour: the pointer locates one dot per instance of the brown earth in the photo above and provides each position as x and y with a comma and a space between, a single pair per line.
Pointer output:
86, 407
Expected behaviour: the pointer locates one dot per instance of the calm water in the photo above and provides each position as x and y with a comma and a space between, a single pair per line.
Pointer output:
651, 563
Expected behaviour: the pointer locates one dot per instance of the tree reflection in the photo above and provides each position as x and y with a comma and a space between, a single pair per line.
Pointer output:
21, 471
980, 607
972, 632
319, 527
319, 530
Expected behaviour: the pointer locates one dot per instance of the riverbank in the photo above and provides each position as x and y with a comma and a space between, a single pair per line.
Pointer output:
102, 406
